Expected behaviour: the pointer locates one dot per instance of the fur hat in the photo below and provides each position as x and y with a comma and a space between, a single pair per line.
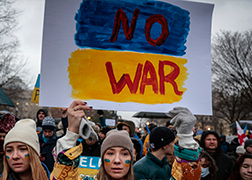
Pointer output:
7, 122
24, 131
48, 123
117, 138
161, 136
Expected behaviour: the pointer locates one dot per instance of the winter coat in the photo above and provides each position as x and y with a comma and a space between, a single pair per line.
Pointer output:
225, 146
150, 167
223, 162
90, 150
47, 148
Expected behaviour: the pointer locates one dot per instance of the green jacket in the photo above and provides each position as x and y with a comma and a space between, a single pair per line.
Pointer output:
150, 167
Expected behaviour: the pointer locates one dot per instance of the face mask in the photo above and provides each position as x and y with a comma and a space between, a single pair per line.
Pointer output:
204, 171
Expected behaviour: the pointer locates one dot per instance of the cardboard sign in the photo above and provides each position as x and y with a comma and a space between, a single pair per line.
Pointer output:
110, 122
127, 55
89, 166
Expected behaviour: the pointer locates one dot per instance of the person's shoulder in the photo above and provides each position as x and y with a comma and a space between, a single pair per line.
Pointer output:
226, 158
141, 162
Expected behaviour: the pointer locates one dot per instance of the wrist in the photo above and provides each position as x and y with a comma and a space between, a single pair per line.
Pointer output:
73, 129
187, 141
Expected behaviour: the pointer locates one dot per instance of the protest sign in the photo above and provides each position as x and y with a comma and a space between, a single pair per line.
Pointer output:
89, 166
127, 55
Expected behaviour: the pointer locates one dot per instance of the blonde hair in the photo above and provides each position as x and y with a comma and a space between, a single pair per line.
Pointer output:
103, 175
37, 170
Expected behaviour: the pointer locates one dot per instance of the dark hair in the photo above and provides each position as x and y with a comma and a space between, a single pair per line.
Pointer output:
151, 126
212, 167
168, 123
235, 173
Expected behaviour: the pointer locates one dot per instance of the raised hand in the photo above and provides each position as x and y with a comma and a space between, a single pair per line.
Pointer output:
183, 120
75, 114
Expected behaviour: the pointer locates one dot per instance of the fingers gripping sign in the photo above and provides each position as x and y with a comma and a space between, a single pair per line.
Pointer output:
75, 114
183, 120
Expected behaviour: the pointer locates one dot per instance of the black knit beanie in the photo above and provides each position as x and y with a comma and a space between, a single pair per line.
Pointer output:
247, 143
161, 136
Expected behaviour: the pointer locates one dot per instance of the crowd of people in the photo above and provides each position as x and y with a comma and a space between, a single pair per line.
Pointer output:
32, 150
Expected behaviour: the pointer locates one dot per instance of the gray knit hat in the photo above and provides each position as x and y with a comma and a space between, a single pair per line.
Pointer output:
115, 138
24, 131
48, 123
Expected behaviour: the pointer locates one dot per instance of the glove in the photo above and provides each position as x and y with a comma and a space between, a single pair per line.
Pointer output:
100, 112
86, 131
183, 121
93, 135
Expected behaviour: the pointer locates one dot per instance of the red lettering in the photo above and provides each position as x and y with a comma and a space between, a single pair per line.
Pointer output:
165, 32
125, 79
148, 67
121, 17
117, 87
170, 78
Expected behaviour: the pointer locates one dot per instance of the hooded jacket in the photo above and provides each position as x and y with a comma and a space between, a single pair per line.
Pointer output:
47, 148
39, 124
223, 162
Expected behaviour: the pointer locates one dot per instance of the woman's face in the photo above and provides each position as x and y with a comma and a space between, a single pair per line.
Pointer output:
17, 157
246, 169
204, 163
117, 162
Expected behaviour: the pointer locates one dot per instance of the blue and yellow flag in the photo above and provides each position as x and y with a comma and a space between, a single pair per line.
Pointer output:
35, 94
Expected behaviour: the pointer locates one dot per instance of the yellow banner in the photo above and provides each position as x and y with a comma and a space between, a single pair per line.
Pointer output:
122, 76
35, 95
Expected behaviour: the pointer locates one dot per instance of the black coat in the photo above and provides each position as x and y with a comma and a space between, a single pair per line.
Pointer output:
90, 150
47, 148
224, 164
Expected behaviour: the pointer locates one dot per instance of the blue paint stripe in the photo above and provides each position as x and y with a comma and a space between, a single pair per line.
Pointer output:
37, 85
95, 22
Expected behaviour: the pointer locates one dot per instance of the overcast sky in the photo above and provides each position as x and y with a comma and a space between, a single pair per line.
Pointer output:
234, 15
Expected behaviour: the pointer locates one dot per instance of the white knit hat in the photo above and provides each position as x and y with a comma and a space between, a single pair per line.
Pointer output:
24, 131
240, 150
